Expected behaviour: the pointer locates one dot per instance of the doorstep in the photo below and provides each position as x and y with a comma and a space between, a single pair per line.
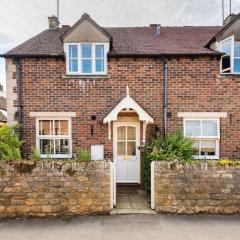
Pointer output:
131, 211
132, 199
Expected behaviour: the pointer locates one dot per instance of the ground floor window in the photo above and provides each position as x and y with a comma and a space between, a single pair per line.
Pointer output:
205, 134
54, 137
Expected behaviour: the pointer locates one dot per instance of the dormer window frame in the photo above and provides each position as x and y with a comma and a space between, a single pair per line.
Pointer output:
230, 55
93, 58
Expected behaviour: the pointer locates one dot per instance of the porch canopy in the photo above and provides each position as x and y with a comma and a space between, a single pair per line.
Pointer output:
129, 104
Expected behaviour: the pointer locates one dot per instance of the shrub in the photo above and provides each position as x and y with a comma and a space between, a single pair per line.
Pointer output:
170, 148
10, 145
83, 155
35, 154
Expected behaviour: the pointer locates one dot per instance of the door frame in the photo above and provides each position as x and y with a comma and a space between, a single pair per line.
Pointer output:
138, 153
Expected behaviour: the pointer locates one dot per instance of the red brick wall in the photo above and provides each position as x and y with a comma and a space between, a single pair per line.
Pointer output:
194, 85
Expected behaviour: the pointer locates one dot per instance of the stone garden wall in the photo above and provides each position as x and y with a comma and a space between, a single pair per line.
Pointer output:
54, 188
199, 188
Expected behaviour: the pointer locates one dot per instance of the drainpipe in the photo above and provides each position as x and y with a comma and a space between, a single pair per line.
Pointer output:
165, 99
19, 94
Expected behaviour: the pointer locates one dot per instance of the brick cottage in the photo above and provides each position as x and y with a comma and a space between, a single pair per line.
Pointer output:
111, 89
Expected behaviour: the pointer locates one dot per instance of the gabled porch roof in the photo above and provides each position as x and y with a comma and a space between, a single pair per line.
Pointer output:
128, 103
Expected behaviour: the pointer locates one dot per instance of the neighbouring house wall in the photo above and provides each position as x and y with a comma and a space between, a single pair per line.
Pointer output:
198, 188
3, 102
54, 188
11, 82
195, 85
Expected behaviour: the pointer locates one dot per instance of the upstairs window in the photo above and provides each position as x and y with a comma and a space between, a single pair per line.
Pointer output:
230, 61
205, 134
86, 58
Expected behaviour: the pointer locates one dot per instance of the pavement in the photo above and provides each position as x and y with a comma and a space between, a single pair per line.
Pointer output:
130, 227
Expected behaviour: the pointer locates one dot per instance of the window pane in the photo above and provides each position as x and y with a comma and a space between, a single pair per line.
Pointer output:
131, 148
121, 148
121, 133
236, 49
73, 51
236, 68
45, 127
226, 63
86, 66
46, 146
62, 146
193, 128
208, 147
196, 145
99, 51
86, 50
209, 128
99, 65
226, 47
61, 127
73, 65
131, 133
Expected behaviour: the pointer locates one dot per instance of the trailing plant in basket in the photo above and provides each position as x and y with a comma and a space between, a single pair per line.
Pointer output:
173, 147
35, 154
83, 155
10, 144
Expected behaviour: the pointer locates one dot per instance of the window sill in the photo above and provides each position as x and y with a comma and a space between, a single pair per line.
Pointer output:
86, 76
206, 157
63, 156
229, 74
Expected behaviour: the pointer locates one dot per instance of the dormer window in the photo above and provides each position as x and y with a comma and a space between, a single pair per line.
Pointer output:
230, 61
86, 58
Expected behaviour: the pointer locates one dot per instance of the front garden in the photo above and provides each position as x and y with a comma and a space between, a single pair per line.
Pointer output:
174, 148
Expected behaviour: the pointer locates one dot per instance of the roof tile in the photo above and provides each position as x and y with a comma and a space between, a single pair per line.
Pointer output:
128, 41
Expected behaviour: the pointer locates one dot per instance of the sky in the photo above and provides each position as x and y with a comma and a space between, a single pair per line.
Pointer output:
22, 19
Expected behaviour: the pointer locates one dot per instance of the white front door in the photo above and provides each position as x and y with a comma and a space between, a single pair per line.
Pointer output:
126, 143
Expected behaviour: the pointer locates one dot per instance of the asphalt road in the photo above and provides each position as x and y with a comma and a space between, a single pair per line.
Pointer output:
147, 227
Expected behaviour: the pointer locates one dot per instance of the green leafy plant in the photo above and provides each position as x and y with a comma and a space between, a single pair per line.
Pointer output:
10, 145
35, 154
173, 147
83, 155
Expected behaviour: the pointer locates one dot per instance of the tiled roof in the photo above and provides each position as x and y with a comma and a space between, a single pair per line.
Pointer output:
172, 40
129, 41
2, 117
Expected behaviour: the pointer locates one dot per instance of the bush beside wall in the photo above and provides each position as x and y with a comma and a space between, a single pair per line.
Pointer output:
198, 188
54, 188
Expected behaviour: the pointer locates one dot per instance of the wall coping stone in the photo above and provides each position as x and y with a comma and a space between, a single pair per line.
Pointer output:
201, 165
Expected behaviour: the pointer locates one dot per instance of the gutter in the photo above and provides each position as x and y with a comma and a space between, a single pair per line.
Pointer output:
210, 54
118, 55
19, 95
165, 97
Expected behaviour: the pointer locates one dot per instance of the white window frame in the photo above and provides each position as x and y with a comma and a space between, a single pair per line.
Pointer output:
93, 58
69, 137
217, 138
235, 57
232, 56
